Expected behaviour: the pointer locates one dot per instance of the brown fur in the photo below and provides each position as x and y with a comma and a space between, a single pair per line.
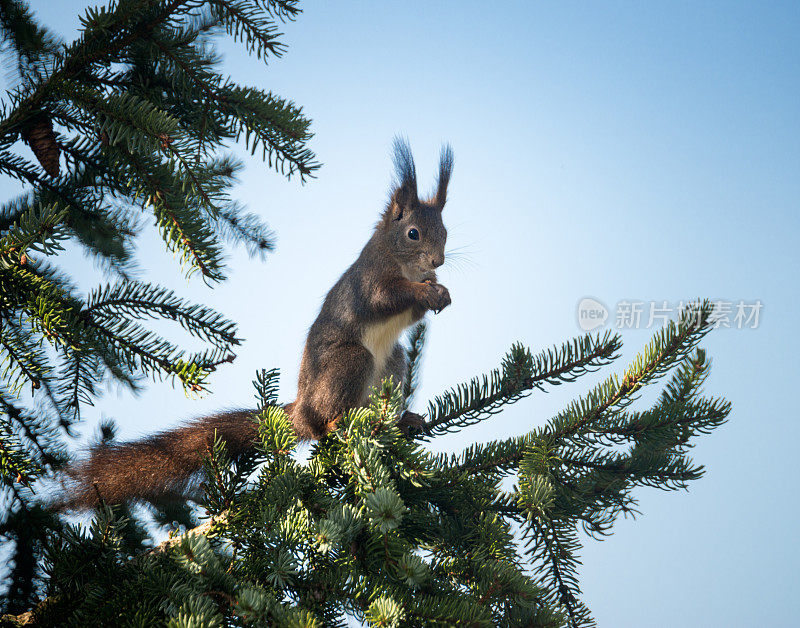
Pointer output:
158, 467
350, 347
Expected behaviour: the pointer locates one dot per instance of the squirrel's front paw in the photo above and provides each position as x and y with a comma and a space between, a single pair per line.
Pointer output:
437, 297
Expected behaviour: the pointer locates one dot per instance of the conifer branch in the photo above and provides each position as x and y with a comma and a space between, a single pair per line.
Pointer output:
416, 344
81, 56
521, 372
202, 530
140, 300
30, 40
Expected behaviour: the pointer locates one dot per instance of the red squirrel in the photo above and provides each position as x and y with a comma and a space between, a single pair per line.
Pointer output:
351, 346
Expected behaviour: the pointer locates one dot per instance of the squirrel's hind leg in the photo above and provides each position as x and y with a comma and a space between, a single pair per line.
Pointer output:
342, 384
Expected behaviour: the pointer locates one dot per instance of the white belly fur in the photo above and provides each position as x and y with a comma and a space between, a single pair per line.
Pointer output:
380, 339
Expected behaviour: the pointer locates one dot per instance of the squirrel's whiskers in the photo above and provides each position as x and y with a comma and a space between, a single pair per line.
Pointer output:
460, 259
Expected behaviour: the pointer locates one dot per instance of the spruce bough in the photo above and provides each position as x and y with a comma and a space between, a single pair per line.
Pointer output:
373, 526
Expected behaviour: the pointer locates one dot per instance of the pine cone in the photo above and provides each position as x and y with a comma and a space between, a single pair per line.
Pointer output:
40, 137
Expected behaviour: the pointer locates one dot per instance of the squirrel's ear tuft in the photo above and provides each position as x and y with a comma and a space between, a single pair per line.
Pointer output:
445, 170
404, 195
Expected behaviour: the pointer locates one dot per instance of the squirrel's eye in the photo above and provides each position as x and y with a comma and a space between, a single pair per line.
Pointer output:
413, 234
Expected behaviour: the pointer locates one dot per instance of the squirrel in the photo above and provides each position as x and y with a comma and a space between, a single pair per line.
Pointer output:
351, 346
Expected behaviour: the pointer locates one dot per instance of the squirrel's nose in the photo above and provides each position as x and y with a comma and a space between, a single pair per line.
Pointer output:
437, 260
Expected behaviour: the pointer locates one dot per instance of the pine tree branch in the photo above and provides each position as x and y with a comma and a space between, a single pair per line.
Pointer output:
36, 442
259, 33
480, 399
199, 254
565, 589
147, 301
79, 61
416, 342
30, 40
203, 529
670, 345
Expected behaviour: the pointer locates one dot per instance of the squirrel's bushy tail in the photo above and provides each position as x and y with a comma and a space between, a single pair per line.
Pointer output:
158, 467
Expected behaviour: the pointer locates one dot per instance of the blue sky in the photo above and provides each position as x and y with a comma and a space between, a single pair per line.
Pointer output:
618, 150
